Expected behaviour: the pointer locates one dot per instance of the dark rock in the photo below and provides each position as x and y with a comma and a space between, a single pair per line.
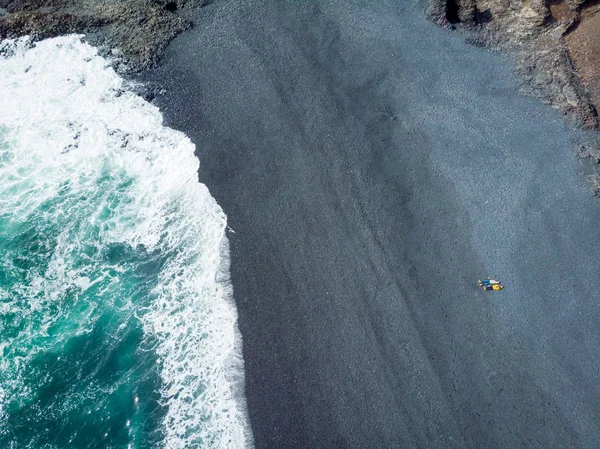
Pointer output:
106, 23
533, 32
556, 60
452, 11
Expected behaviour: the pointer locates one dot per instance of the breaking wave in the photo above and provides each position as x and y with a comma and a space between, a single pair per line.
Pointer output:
117, 325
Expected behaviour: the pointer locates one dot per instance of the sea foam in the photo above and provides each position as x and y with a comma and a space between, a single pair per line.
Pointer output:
71, 129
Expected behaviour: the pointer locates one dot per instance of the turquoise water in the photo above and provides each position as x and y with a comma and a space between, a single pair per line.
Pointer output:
117, 328
76, 367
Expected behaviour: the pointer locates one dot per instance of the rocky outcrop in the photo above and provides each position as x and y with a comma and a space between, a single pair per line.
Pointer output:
540, 33
589, 155
556, 44
132, 31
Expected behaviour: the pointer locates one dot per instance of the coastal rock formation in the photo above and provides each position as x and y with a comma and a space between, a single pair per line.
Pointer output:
135, 31
556, 44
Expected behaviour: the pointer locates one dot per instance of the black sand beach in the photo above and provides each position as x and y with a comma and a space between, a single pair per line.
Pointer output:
373, 167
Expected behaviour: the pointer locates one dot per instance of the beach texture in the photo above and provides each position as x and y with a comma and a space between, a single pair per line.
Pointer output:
373, 166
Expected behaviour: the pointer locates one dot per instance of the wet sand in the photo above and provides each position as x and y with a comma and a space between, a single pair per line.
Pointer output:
373, 167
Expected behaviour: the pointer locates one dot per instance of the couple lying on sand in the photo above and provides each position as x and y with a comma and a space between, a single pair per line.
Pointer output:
490, 284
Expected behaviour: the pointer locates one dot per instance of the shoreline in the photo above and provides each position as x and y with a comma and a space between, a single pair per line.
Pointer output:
371, 174
127, 267
356, 172
234, 364
552, 44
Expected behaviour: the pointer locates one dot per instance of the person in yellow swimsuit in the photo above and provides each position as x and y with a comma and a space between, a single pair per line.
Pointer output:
490, 284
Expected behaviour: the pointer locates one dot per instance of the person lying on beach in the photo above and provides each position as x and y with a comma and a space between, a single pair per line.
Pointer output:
487, 282
490, 284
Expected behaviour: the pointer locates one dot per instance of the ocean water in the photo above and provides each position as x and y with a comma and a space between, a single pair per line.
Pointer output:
117, 326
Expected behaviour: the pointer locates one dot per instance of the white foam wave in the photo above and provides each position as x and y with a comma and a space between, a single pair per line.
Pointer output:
69, 120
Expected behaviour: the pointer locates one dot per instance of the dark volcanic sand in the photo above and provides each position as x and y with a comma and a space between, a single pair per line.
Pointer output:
373, 167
